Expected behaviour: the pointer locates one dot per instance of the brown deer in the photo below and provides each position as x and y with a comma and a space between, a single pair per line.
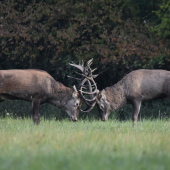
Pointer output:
135, 87
38, 87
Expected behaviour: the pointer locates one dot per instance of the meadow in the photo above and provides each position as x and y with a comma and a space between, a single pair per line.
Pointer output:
84, 145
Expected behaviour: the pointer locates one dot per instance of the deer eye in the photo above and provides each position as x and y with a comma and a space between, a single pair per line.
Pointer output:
77, 105
102, 107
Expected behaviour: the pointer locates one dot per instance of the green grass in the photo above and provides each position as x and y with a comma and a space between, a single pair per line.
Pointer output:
85, 145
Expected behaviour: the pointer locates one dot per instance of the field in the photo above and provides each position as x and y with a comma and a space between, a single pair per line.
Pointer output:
84, 145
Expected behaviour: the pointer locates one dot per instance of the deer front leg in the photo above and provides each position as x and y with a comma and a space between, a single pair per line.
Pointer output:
136, 108
36, 111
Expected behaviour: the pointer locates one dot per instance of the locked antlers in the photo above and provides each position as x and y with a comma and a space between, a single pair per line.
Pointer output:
86, 82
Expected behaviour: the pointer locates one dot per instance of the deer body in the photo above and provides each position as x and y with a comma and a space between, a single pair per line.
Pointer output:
135, 87
38, 87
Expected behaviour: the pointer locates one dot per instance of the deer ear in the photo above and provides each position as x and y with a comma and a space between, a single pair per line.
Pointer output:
74, 91
99, 96
103, 94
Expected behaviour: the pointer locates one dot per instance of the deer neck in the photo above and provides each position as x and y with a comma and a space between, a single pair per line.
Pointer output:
115, 97
60, 95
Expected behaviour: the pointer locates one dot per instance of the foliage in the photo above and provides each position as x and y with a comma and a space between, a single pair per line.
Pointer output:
49, 34
163, 13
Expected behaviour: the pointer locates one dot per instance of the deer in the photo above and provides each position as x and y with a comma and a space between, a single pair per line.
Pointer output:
136, 87
38, 87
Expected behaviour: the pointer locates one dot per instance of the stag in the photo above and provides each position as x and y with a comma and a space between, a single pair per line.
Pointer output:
135, 87
38, 87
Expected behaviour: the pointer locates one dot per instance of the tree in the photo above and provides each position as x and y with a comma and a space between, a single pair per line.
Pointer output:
162, 28
49, 34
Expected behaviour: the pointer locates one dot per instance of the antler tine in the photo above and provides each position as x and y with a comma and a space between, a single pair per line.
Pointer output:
83, 75
94, 76
81, 68
90, 64
88, 92
82, 62
72, 62
79, 73
89, 67
89, 61
94, 70
91, 100
88, 109
88, 85
84, 87
74, 78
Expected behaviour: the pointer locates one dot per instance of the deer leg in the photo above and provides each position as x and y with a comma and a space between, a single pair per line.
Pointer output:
167, 89
136, 108
3, 113
36, 111
168, 92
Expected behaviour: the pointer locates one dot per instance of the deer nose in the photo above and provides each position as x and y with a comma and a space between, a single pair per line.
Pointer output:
104, 118
74, 119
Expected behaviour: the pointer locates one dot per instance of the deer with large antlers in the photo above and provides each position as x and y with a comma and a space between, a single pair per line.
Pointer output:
38, 87
135, 87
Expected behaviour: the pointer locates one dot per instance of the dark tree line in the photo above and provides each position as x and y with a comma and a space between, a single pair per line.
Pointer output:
121, 36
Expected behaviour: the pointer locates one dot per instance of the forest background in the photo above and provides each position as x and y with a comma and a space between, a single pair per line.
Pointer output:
120, 35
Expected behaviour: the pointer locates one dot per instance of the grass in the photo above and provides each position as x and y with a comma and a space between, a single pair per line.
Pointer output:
84, 145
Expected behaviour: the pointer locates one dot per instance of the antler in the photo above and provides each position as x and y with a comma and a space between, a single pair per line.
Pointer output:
86, 71
92, 101
87, 77
80, 66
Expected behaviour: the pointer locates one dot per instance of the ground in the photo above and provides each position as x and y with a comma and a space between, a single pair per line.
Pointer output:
84, 145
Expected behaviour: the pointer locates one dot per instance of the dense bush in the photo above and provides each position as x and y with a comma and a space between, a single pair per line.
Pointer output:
162, 28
